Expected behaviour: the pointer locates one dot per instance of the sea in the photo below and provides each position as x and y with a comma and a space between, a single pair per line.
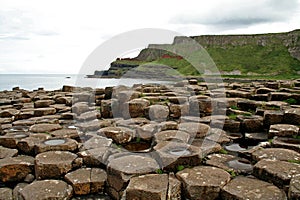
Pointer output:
57, 81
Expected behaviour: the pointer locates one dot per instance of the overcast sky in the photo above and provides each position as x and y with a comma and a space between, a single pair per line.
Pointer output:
56, 36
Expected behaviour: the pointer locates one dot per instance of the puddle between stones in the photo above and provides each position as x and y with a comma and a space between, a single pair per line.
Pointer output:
179, 152
53, 142
235, 147
240, 165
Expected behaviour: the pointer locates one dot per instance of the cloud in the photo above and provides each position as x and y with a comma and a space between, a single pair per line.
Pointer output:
234, 14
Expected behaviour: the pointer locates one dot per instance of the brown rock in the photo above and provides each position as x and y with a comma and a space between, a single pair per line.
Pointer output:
172, 135
47, 189
53, 164
43, 103
249, 188
148, 187
294, 189
203, 182
15, 169
292, 116
197, 130
87, 180
56, 144
9, 112
277, 172
120, 135
6, 193
44, 111
136, 108
44, 128
283, 130
275, 154
7, 152
158, 113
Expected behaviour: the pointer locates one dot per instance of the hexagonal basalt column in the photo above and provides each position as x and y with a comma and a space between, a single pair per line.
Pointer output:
54, 164
121, 169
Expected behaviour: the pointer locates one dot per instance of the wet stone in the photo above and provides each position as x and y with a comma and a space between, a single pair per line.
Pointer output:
250, 188
203, 182
6, 194
56, 144
54, 164
283, 130
294, 189
148, 187
275, 154
87, 180
230, 163
15, 168
7, 152
44, 128
277, 172
47, 189
206, 146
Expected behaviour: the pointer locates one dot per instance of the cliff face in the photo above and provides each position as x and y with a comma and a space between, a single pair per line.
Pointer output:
247, 53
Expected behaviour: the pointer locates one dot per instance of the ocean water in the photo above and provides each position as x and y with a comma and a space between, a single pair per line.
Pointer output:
56, 81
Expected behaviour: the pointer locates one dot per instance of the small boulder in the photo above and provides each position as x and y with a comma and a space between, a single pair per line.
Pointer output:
283, 130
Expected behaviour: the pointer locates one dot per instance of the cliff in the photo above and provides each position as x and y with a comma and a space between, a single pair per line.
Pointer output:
272, 54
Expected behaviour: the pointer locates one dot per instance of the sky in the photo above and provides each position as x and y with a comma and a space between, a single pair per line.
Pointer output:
52, 36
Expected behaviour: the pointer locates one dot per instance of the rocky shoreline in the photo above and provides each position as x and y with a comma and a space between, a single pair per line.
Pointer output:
190, 140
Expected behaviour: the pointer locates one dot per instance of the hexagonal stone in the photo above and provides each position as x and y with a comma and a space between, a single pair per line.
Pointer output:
87, 180
136, 108
250, 188
158, 112
283, 130
286, 143
7, 152
10, 140
203, 182
54, 164
173, 154
172, 135
9, 112
15, 169
120, 135
197, 130
294, 189
44, 128
275, 154
56, 144
6, 194
292, 116
27, 145
96, 142
121, 169
251, 124
47, 189
44, 111
66, 133
43, 103
272, 117
148, 187
230, 163
277, 172
174, 188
